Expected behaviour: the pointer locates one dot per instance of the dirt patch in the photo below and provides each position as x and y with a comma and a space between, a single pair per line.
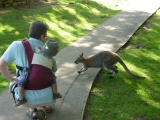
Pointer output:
3, 11
140, 117
131, 46
147, 26
32, 6
36, 5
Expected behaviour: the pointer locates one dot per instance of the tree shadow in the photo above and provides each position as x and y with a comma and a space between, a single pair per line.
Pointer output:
65, 21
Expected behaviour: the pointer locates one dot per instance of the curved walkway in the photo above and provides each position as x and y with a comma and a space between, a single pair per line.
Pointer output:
110, 35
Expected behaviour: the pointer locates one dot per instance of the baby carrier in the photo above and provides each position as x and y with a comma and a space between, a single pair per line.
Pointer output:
38, 76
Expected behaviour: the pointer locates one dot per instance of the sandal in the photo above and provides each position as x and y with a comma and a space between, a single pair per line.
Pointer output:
30, 113
57, 95
41, 114
48, 109
20, 102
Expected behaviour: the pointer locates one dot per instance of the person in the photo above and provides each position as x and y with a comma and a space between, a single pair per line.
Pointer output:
48, 51
16, 53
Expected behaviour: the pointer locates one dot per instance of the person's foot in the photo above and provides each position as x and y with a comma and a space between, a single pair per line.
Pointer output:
32, 113
57, 95
48, 109
41, 114
20, 102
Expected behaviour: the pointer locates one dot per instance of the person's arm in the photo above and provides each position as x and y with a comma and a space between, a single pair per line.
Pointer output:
54, 68
5, 72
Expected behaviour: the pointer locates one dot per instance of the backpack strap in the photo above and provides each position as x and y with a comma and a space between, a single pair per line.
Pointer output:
21, 69
29, 53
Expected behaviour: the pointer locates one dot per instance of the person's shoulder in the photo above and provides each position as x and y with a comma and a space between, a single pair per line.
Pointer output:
17, 42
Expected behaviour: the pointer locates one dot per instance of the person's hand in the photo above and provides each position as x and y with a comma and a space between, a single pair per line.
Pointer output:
14, 79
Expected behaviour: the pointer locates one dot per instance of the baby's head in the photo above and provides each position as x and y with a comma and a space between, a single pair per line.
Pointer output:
50, 48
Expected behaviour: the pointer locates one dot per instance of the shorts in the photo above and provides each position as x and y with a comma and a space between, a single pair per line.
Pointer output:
54, 79
22, 81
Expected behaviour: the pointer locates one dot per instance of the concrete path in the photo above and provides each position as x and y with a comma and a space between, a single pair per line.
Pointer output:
75, 88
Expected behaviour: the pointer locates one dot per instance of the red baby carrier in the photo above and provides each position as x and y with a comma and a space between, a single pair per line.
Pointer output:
39, 77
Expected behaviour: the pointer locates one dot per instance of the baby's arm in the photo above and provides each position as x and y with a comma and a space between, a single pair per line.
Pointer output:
54, 70
37, 47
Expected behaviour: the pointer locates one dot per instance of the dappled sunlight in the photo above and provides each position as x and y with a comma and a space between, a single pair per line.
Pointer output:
128, 81
145, 63
121, 19
63, 28
115, 4
4, 46
111, 28
99, 47
137, 56
6, 28
103, 47
17, 33
4, 84
71, 11
82, 44
3, 117
135, 70
67, 65
147, 96
95, 11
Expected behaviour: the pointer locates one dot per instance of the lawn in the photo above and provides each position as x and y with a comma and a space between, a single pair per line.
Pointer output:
126, 97
68, 21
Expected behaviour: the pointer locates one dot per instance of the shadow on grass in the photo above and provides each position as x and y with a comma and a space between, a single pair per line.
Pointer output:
67, 22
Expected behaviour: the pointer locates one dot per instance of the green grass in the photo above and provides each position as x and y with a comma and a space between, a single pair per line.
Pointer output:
126, 97
68, 21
